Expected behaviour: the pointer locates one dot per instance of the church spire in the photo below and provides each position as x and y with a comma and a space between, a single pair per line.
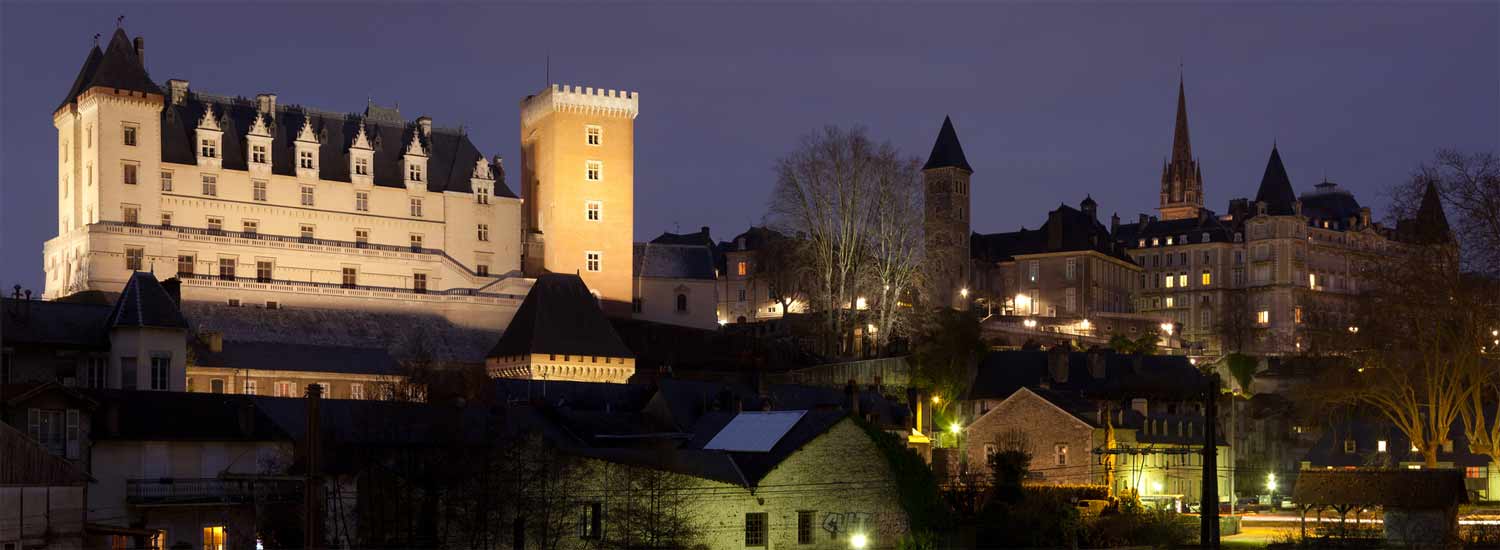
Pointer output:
1182, 147
946, 151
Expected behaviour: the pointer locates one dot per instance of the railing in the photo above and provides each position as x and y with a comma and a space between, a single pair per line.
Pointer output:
199, 279
208, 491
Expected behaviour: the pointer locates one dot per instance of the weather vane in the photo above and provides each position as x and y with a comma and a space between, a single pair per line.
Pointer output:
120, 22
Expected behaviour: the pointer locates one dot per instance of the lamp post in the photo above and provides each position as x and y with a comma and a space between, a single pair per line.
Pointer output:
858, 541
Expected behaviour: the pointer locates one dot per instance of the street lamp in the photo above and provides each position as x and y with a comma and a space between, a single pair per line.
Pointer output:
1156, 487
1353, 329
1271, 483
937, 399
1167, 328
858, 541
963, 292
723, 322
1084, 324
1030, 323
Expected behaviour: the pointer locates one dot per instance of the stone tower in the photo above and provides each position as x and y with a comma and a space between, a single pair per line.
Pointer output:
945, 179
578, 181
1181, 178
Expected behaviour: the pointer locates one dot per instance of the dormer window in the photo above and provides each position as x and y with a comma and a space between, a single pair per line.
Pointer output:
258, 154
414, 171
482, 195
208, 148
304, 159
361, 166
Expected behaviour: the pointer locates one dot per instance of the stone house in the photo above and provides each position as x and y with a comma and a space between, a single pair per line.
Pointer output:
675, 284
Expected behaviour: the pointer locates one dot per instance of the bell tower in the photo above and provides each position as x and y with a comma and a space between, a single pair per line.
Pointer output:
1181, 178
945, 181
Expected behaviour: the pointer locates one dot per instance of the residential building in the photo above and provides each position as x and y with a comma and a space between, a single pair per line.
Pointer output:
561, 333
578, 176
675, 284
41, 496
286, 369
1367, 441
1134, 423
746, 292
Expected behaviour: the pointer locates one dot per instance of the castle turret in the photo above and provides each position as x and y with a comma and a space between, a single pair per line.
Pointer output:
945, 179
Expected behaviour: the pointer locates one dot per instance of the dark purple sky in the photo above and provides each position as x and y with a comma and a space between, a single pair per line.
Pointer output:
1051, 102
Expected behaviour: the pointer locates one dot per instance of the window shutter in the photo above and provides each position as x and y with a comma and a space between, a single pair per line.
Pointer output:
72, 433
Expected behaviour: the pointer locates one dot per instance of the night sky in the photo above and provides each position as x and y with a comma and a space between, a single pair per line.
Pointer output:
1050, 102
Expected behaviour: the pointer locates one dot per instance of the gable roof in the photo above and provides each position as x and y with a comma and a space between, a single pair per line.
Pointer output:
560, 316
144, 303
946, 151
674, 261
1276, 187
755, 466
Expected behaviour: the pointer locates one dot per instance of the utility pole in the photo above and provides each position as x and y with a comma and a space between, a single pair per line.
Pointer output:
1208, 528
312, 484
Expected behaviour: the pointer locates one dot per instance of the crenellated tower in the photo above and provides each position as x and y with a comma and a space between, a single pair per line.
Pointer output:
1181, 177
945, 180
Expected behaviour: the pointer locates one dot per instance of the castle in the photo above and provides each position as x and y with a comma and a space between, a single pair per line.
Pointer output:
254, 202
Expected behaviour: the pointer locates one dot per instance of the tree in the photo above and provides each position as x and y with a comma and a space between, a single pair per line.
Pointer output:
1469, 186
1010, 464
1235, 322
1242, 369
1144, 344
651, 508
825, 191
946, 351
895, 242
781, 264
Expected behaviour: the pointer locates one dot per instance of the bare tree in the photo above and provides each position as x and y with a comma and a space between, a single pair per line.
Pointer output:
895, 239
1469, 185
781, 263
1235, 322
824, 191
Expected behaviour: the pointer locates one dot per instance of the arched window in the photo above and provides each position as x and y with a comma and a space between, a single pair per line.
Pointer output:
681, 303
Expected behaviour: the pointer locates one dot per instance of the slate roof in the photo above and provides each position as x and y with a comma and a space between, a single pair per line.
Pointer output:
1332, 204
701, 238
1366, 433
560, 316
686, 401
451, 156
1182, 147
1001, 373
1066, 229
55, 323
1218, 230
395, 332
578, 395
117, 67
299, 358
144, 303
159, 415
1276, 187
946, 151
674, 261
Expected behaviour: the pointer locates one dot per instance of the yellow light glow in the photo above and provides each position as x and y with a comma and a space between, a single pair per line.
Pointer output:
1023, 302
964, 292
870, 328
859, 303
1030, 323
955, 428
1353, 330
937, 399
1084, 324
1271, 482
723, 322
1156, 487
858, 540
1167, 328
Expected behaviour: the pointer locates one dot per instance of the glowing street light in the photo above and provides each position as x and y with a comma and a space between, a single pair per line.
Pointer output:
859, 303
955, 428
963, 292
723, 322
1271, 482
937, 399
1167, 328
1084, 324
1156, 487
1029, 323
858, 541
1353, 330
870, 328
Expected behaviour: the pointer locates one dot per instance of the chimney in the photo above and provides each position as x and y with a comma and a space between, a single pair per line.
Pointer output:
178, 89
1057, 364
1114, 223
1143, 220
498, 166
426, 123
1054, 229
703, 230
140, 50
266, 103
173, 286
1097, 363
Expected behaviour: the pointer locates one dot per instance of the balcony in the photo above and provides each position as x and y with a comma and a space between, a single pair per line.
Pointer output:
209, 491
308, 287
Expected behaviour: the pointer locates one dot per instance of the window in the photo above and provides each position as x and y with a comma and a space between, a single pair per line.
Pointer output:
132, 213
327, 389
166, 181
96, 374
742, 295
591, 520
356, 391
1205, 319
1471, 472
250, 387
482, 270
361, 238
166, 219
484, 232
594, 134
1171, 302
307, 195
161, 369
1060, 452
361, 201
210, 185
226, 269
361, 166
258, 154
594, 170
1070, 299
129, 135
682, 303
130, 173
593, 210
1034, 267
1072, 267
216, 385
208, 148
1182, 278
283, 389
263, 271
416, 207
416, 243
134, 257
414, 171
1312, 281
215, 225
258, 190
351, 277
1170, 281
1380, 446
755, 529
419, 283
1349, 446
185, 265
46, 427
304, 159
1263, 317
1207, 278
482, 195
591, 261
1297, 314
213, 537
306, 232
805, 526
250, 228
742, 268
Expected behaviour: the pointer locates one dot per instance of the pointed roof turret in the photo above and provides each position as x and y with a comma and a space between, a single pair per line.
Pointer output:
85, 74
1276, 187
415, 147
145, 303
121, 68
947, 152
560, 316
1432, 224
1182, 147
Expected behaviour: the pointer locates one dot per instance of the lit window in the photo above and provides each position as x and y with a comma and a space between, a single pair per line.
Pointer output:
1169, 241
1170, 281
208, 148
1312, 281
1263, 317
592, 260
742, 268
595, 135
356, 391
130, 173
307, 195
1471, 472
258, 190
1207, 278
304, 159
416, 207
1060, 452
1380, 446
129, 135
283, 389
484, 232
213, 537
258, 154
1171, 302
210, 185
594, 170
593, 210
166, 181
1182, 279
1349, 446
1297, 314
251, 388
361, 201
